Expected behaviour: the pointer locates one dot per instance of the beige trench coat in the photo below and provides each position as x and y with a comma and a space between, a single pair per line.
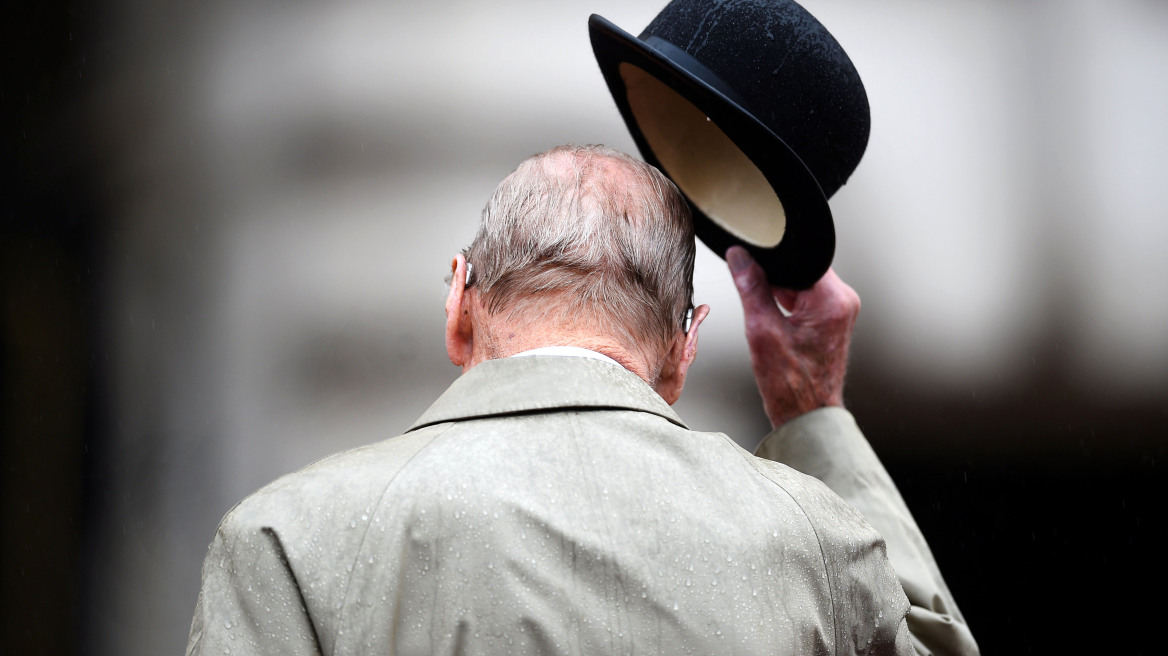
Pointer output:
556, 505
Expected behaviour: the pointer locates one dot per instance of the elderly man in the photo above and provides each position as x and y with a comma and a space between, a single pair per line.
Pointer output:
550, 502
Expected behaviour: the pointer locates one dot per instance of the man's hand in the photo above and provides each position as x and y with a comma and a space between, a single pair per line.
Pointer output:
799, 361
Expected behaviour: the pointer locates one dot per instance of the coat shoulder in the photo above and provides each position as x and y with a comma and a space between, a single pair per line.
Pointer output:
343, 480
869, 603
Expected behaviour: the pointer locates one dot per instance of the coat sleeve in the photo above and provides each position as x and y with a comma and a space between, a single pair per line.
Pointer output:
828, 445
250, 602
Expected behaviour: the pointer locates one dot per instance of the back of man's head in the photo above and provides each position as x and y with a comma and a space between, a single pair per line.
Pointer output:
587, 238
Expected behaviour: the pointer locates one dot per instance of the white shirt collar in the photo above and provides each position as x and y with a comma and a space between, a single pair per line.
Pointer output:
573, 351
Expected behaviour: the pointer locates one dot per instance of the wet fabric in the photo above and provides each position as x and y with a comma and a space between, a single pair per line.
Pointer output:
557, 505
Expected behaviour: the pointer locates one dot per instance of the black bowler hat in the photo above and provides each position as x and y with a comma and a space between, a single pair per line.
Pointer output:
755, 112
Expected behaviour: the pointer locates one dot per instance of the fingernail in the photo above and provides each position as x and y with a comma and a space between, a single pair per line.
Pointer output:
738, 259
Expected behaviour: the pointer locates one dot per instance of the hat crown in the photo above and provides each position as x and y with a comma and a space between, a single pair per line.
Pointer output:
785, 68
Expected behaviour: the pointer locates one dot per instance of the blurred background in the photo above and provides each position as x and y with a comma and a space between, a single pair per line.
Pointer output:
225, 227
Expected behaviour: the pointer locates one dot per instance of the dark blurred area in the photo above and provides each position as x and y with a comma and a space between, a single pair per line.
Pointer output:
49, 287
1043, 508
150, 375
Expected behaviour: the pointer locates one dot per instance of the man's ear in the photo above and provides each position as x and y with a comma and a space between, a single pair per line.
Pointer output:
681, 355
459, 328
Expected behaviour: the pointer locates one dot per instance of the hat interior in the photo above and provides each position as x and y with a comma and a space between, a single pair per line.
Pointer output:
706, 165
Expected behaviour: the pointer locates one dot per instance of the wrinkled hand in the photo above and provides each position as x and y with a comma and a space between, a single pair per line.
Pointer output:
799, 361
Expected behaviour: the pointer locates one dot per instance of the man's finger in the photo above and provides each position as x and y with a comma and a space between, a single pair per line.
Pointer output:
753, 287
831, 297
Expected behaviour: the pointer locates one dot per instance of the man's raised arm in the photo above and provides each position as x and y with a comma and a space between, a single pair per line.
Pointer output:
799, 363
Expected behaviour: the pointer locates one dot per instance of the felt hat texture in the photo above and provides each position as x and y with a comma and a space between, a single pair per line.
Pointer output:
757, 114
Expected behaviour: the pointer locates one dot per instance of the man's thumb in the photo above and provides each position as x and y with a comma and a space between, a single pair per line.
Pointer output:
749, 278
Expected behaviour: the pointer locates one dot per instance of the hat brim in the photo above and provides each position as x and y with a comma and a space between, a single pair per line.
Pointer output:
808, 244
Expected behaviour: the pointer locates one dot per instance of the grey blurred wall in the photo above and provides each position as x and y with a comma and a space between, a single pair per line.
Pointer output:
282, 186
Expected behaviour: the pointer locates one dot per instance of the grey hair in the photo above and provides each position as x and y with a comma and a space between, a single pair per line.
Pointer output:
587, 235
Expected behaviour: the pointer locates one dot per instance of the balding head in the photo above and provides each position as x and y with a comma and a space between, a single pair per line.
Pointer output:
587, 238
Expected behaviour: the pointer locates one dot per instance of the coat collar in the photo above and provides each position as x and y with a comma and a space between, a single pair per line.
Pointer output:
539, 383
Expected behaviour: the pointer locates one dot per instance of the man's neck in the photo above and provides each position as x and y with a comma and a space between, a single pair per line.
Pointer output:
518, 342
